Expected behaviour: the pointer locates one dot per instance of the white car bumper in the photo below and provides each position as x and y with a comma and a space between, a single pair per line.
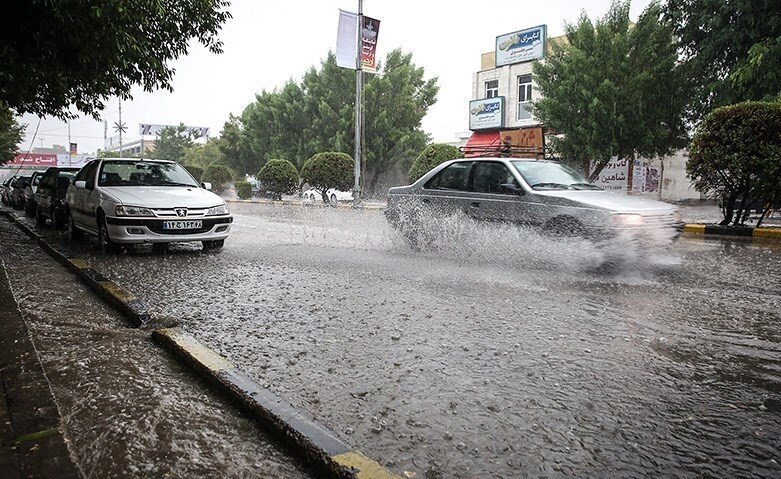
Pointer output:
151, 230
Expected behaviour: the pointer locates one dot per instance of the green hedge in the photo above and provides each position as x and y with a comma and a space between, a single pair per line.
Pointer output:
244, 190
196, 171
431, 156
328, 170
218, 175
280, 177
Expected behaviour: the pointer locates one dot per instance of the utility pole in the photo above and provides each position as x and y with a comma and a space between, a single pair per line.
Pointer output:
70, 155
358, 112
120, 127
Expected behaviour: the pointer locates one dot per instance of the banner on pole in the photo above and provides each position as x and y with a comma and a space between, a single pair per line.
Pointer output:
347, 40
369, 32
146, 129
74, 148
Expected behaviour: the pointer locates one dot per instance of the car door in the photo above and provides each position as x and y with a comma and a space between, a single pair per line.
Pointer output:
91, 198
77, 201
44, 191
447, 193
499, 197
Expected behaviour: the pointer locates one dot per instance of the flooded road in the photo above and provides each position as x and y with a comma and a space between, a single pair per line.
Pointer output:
498, 353
127, 408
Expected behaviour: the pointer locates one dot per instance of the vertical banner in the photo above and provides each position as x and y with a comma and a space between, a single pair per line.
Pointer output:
369, 32
347, 40
74, 149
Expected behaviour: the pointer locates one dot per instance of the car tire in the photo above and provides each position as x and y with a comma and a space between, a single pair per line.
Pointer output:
105, 244
74, 233
30, 208
213, 244
40, 220
58, 219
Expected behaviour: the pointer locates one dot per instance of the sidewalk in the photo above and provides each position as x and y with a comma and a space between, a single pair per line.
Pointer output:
32, 444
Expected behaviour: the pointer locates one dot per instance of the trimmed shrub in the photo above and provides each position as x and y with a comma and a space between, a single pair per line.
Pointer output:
196, 171
735, 156
431, 156
218, 175
280, 177
244, 190
328, 170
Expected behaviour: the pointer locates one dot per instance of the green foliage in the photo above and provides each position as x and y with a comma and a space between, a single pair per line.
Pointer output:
203, 155
218, 175
243, 189
731, 49
196, 171
61, 54
279, 177
108, 154
736, 156
612, 90
431, 156
328, 170
172, 142
10, 134
317, 114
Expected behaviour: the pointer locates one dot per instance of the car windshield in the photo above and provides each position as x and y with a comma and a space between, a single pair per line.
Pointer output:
545, 175
144, 173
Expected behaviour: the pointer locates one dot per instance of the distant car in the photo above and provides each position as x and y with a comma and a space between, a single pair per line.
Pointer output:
539, 193
29, 193
50, 195
130, 200
5, 190
17, 192
333, 195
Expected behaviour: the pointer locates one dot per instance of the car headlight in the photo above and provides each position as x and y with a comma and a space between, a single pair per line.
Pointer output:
123, 210
624, 219
217, 210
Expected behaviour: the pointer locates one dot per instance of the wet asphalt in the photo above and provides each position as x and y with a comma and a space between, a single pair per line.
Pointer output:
497, 353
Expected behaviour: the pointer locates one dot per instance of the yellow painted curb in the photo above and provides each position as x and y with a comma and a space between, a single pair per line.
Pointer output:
200, 353
79, 263
694, 228
367, 468
774, 233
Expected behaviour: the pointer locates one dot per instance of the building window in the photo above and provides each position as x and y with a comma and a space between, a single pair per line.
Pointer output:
524, 97
492, 88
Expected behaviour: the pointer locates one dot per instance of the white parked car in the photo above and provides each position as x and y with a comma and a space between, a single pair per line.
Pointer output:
131, 200
333, 195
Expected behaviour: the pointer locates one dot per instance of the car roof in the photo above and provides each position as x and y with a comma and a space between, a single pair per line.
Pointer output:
135, 160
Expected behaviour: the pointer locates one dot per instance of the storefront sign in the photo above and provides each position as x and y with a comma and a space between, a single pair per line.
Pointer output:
522, 46
530, 138
613, 176
36, 160
486, 114
145, 129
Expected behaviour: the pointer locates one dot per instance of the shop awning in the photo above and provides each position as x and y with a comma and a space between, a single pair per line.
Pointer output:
480, 143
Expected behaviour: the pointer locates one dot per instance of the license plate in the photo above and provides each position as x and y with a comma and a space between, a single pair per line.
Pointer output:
182, 225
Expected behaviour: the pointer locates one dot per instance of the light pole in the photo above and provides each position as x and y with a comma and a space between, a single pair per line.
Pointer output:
358, 112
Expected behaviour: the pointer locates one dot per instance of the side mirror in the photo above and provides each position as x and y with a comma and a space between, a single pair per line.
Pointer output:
513, 188
207, 185
80, 185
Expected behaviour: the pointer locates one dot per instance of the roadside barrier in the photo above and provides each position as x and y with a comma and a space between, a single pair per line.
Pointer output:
716, 230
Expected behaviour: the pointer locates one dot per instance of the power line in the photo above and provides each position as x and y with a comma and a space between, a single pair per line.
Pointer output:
32, 142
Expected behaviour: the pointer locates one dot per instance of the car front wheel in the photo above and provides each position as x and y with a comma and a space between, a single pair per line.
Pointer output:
104, 241
40, 220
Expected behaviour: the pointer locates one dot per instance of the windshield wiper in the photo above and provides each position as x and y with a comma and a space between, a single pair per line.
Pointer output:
172, 183
587, 186
550, 185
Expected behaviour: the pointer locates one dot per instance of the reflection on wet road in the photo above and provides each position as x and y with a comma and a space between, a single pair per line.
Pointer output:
497, 354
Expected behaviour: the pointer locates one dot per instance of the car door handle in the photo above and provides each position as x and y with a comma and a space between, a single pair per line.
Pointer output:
474, 204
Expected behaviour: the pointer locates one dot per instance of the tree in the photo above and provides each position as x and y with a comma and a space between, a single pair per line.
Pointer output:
243, 189
108, 154
196, 171
10, 134
61, 54
218, 176
279, 177
328, 170
203, 155
736, 156
172, 141
317, 114
234, 146
732, 50
613, 91
431, 156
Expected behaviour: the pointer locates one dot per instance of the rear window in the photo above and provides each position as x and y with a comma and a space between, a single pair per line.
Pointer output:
454, 177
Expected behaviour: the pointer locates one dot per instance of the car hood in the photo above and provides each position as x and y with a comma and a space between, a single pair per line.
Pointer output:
609, 201
164, 196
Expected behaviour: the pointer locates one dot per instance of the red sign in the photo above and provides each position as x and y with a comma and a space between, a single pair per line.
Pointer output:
33, 160
369, 32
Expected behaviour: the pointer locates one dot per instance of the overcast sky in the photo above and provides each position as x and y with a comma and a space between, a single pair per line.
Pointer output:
268, 42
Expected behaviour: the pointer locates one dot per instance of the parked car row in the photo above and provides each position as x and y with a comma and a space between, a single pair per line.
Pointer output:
125, 201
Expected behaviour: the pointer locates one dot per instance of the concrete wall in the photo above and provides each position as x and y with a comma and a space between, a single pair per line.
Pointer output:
508, 88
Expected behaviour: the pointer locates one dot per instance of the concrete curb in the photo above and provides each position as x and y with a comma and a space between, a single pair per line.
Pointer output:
135, 310
320, 447
716, 230
302, 204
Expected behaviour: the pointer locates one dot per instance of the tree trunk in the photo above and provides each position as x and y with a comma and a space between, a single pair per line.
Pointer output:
728, 210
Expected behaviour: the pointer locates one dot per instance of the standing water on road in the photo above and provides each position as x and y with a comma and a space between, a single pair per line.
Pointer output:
497, 353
